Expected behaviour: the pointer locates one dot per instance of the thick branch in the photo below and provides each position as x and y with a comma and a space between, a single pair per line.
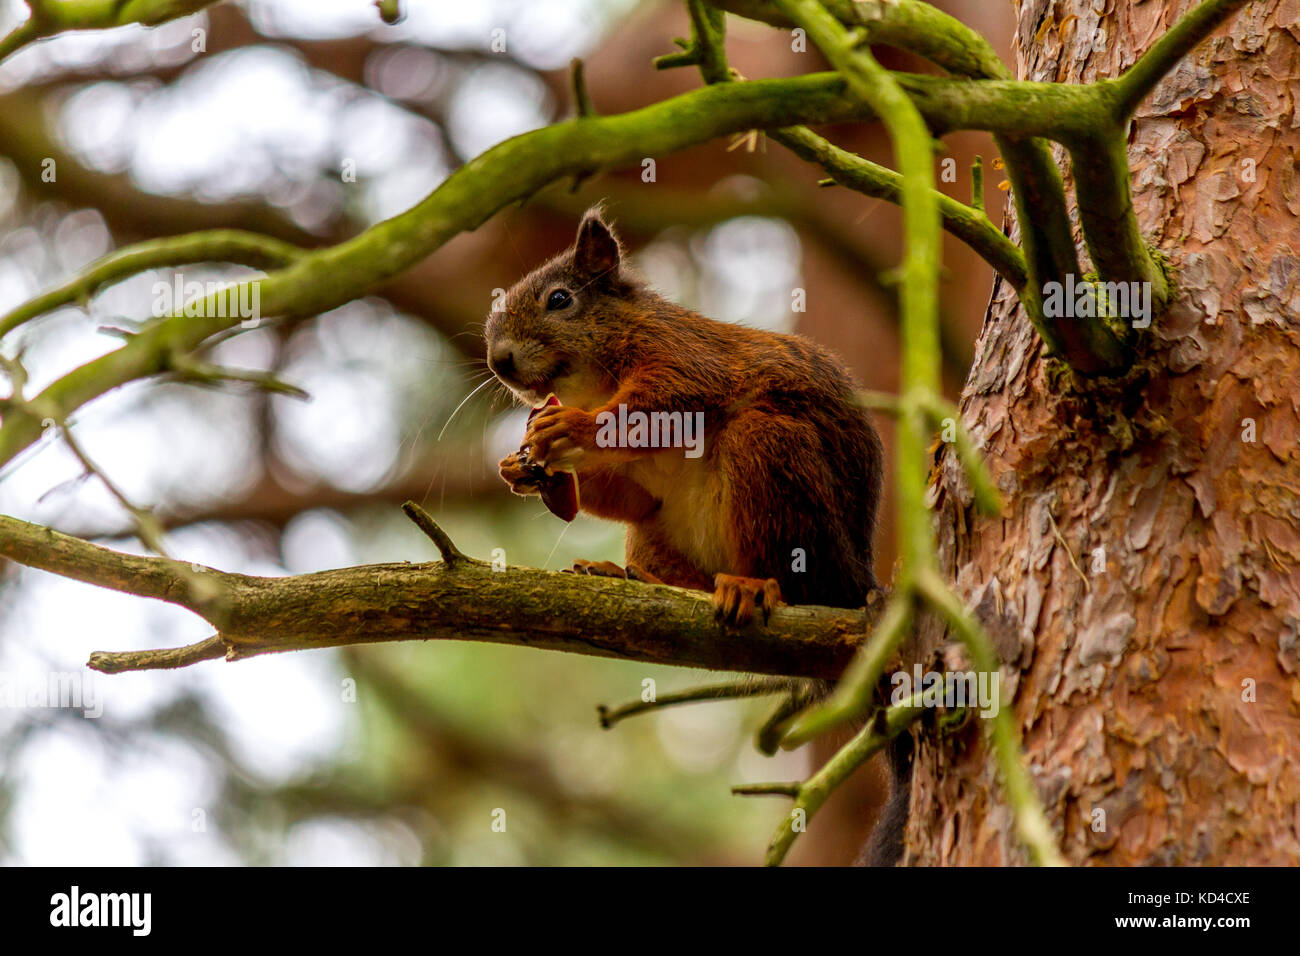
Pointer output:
40, 547
905, 24
1110, 226
465, 601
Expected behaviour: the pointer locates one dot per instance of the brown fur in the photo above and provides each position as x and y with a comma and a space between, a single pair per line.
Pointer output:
790, 460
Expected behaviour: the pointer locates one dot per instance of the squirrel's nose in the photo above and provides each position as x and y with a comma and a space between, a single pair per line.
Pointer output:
502, 361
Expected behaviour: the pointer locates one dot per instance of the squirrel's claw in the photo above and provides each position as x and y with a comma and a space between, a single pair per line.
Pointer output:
736, 598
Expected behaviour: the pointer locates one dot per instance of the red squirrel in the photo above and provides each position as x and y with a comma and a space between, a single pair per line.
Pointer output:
779, 500
780, 503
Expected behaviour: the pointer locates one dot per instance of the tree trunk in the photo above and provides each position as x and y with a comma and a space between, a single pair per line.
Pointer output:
1144, 584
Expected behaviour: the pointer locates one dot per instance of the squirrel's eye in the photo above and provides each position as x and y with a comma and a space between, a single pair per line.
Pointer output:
558, 299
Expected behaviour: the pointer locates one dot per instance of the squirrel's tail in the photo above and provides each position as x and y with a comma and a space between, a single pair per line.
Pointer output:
885, 845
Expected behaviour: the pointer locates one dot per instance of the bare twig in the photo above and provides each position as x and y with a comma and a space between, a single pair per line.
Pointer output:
751, 687
109, 662
767, 789
578, 84
450, 553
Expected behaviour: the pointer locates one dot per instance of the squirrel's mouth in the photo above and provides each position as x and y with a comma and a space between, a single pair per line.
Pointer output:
534, 389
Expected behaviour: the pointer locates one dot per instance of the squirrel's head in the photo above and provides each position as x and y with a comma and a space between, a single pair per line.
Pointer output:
549, 331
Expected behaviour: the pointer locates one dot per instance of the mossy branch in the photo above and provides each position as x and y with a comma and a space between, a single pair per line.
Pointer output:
909, 25
1037, 189
216, 245
810, 795
1110, 226
967, 223
51, 17
1091, 126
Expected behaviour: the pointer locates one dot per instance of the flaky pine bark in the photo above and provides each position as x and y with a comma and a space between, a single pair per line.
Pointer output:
1162, 690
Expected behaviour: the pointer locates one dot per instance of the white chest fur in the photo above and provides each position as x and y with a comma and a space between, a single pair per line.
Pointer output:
691, 517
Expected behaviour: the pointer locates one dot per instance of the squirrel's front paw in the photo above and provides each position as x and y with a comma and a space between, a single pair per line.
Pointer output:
520, 474
736, 598
560, 435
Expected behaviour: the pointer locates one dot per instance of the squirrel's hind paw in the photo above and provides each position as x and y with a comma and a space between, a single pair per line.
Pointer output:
608, 569
735, 598
599, 569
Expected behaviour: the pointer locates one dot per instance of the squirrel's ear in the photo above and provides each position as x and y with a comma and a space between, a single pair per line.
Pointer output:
596, 250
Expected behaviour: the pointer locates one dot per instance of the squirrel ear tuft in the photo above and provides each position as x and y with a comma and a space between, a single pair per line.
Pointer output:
596, 250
